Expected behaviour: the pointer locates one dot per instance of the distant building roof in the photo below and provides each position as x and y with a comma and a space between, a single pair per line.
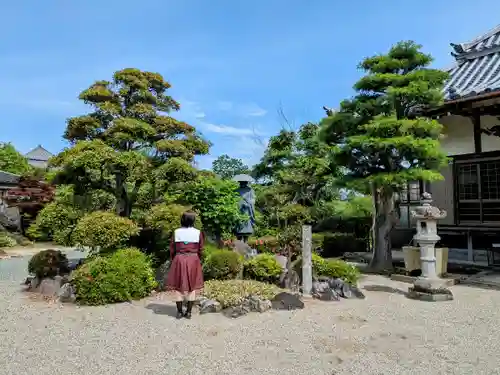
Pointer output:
39, 154
477, 68
8, 178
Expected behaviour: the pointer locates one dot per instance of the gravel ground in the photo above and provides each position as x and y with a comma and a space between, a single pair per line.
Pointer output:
384, 334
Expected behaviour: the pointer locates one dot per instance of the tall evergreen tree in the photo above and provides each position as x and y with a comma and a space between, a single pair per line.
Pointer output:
380, 139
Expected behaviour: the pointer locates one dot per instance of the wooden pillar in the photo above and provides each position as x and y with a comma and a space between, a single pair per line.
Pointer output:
476, 122
306, 260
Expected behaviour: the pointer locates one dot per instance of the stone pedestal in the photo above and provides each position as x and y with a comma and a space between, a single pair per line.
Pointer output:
428, 287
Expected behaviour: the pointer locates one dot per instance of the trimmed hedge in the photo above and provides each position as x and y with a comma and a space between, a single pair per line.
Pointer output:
122, 276
333, 268
222, 265
263, 267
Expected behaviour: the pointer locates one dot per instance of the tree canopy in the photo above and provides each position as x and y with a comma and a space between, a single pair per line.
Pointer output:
12, 161
378, 137
227, 167
128, 140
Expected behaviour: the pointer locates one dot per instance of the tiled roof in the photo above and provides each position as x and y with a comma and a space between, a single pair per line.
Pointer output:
8, 178
477, 68
39, 153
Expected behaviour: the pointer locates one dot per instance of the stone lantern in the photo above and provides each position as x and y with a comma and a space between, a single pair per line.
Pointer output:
428, 286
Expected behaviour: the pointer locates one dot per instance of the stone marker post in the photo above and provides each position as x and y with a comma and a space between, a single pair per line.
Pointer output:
428, 286
306, 260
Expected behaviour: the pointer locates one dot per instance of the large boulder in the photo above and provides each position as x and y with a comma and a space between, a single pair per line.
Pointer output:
332, 289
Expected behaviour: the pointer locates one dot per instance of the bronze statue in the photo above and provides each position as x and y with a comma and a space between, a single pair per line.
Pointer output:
247, 206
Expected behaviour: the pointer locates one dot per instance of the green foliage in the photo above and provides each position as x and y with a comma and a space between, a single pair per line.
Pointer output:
12, 161
217, 202
222, 265
104, 231
125, 275
48, 263
227, 167
6, 240
208, 249
263, 267
55, 222
335, 244
333, 268
128, 141
336, 268
378, 138
231, 293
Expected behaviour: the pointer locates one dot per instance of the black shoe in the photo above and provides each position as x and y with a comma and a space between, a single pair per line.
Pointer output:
187, 315
180, 314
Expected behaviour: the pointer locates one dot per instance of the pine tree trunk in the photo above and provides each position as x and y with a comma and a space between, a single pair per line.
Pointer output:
382, 228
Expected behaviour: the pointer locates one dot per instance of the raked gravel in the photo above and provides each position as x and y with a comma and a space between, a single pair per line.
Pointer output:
384, 334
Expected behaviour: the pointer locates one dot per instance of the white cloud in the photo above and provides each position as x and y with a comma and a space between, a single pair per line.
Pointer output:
227, 130
242, 109
253, 110
200, 115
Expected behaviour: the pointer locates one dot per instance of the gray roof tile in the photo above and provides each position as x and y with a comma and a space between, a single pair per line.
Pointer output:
8, 178
477, 68
39, 153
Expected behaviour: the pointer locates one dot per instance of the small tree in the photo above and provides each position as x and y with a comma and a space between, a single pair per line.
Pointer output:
128, 140
379, 140
227, 167
217, 202
12, 161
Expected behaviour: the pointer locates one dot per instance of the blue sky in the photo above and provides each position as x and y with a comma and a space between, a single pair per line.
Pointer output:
232, 64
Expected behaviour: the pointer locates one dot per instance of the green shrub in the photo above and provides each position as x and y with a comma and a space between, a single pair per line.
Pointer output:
263, 267
122, 276
6, 240
222, 265
104, 231
48, 263
337, 268
56, 222
335, 244
334, 268
208, 249
232, 292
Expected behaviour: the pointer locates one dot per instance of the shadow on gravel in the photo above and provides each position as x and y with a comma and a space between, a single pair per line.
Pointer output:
385, 289
162, 309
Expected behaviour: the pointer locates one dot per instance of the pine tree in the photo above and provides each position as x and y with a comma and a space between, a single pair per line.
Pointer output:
380, 138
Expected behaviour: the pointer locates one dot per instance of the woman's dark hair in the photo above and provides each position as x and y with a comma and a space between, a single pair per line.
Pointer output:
187, 219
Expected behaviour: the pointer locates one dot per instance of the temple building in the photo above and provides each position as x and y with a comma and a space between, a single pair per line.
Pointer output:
470, 192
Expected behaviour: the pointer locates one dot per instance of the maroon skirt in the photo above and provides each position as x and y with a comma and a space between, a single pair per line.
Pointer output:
185, 274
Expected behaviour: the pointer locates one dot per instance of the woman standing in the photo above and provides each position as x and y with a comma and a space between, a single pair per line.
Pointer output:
185, 276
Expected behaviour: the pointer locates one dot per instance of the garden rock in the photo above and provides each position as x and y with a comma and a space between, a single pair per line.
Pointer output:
287, 301
290, 280
322, 291
209, 306
236, 312
256, 304
73, 264
33, 282
244, 249
66, 293
327, 288
50, 287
